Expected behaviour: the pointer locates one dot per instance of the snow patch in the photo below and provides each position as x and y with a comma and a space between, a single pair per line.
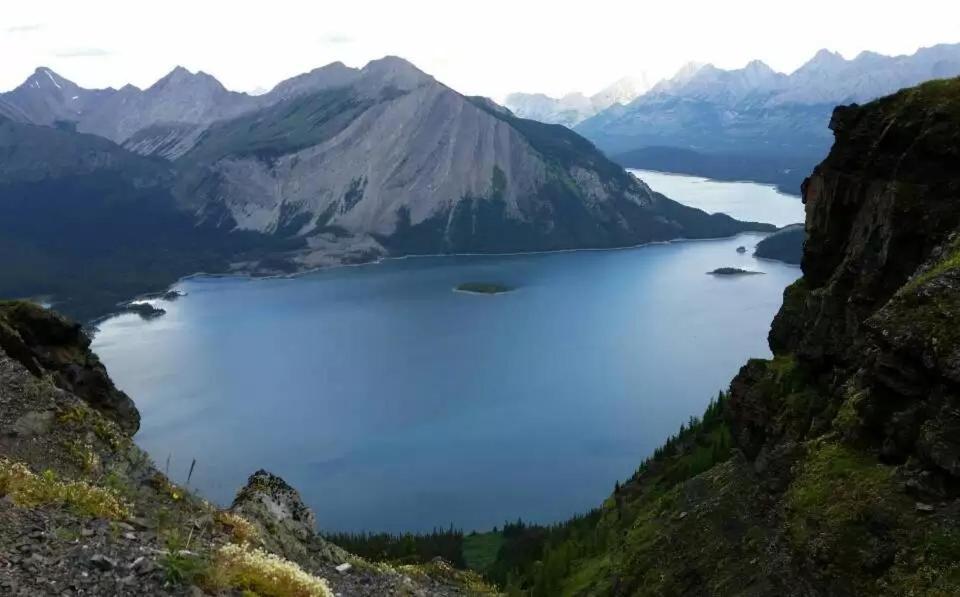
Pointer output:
52, 80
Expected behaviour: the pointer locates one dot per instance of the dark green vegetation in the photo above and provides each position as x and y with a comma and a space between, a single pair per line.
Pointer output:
834, 467
732, 271
90, 224
281, 129
144, 310
784, 245
786, 172
483, 288
408, 548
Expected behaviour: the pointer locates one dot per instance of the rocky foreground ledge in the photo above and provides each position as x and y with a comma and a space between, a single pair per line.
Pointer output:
84, 511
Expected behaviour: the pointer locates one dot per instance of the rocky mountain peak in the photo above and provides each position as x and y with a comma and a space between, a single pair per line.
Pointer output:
393, 71
622, 91
335, 74
823, 59
688, 70
180, 77
44, 79
758, 66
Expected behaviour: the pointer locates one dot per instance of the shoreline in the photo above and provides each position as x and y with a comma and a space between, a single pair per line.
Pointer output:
92, 328
771, 185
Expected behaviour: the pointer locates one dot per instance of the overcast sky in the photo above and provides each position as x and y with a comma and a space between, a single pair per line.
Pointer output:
487, 47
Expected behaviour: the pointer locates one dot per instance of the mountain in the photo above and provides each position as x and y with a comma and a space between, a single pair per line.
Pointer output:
336, 166
621, 91
567, 110
833, 467
91, 224
166, 119
446, 174
709, 83
47, 98
574, 108
179, 97
754, 114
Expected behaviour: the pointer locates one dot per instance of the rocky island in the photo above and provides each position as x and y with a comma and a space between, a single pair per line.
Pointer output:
144, 309
483, 288
732, 271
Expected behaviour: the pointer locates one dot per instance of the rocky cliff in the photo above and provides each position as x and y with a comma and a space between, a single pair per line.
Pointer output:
833, 468
84, 511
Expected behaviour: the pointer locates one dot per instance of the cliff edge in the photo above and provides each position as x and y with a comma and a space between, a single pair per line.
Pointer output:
834, 467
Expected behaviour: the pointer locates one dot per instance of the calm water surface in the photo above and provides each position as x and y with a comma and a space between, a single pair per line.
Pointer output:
393, 403
748, 201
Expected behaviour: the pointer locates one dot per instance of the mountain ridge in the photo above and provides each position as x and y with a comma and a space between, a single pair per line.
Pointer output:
338, 166
575, 107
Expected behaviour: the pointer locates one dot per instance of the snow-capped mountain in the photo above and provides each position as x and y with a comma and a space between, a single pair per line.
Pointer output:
576, 107
709, 83
622, 91
754, 118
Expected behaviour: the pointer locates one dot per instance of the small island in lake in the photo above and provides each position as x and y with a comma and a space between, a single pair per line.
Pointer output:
741, 249
732, 271
144, 310
483, 288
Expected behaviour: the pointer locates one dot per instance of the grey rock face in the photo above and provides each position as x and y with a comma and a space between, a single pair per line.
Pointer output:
400, 159
166, 119
372, 161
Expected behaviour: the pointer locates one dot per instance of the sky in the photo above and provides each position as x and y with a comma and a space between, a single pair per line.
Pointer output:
488, 47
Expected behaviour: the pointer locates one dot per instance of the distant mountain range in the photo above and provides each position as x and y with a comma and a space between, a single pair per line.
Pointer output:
752, 123
118, 191
576, 107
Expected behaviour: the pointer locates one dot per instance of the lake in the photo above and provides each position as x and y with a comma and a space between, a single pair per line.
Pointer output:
748, 201
393, 403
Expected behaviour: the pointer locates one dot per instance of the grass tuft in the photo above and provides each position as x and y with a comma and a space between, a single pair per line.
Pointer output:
241, 530
244, 569
30, 490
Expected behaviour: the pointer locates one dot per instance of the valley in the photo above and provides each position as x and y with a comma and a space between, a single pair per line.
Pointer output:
333, 322
335, 166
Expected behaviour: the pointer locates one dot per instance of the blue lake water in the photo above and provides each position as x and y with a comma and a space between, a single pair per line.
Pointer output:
743, 200
393, 403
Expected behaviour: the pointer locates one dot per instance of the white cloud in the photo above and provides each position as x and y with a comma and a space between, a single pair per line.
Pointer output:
82, 53
337, 38
24, 28
488, 48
